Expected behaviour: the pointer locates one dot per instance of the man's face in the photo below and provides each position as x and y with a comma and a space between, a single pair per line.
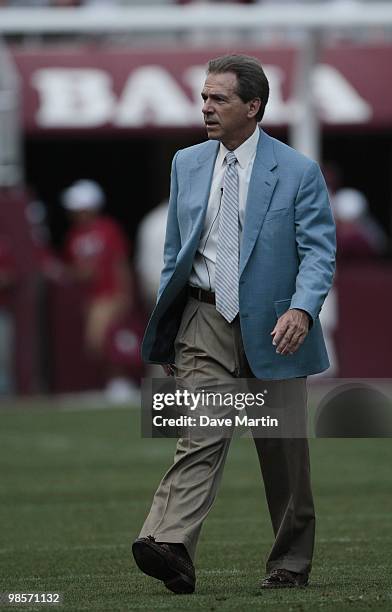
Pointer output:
226, 116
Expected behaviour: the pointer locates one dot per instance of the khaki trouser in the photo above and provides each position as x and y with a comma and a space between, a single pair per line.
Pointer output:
209, 348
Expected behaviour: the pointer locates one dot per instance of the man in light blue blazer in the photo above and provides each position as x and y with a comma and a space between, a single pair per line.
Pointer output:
249, 259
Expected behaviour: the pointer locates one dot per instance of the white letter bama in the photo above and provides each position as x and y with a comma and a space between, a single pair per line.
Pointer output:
337, 99
73, 97
152, 96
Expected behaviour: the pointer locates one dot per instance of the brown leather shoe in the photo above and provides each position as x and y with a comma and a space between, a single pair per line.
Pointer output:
284, 579
167, 562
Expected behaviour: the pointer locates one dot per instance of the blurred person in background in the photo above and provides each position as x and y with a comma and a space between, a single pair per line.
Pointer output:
150, 241
359, 235
149, 252
97, 251
329, 312
8, 278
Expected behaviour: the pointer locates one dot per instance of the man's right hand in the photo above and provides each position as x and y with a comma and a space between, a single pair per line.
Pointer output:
168, 369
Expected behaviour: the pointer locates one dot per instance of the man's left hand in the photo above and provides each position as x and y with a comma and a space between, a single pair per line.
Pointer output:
290, 331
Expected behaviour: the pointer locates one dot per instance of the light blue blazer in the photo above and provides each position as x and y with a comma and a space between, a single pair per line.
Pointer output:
287, 256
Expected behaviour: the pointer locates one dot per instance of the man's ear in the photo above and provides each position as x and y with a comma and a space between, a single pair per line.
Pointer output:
254, 107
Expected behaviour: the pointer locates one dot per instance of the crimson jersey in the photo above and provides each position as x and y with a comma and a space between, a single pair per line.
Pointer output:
101, 245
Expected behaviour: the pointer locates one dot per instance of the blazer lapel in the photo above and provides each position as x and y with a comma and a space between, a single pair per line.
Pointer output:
261, 187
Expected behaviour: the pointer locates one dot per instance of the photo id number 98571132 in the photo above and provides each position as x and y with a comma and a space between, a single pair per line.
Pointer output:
18, 599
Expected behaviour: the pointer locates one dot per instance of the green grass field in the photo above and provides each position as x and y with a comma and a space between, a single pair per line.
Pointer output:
76, 485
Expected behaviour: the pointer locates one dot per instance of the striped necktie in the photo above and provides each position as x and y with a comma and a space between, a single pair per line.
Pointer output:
227, 252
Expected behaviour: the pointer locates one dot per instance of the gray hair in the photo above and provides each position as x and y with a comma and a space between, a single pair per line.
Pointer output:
252, 82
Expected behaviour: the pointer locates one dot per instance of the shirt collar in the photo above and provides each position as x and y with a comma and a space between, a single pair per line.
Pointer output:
244, 152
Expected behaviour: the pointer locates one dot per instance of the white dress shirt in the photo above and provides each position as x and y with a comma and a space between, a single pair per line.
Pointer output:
203, 270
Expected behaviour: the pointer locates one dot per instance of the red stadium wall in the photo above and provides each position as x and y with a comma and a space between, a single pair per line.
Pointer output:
110, 90
364, 334
25, 302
